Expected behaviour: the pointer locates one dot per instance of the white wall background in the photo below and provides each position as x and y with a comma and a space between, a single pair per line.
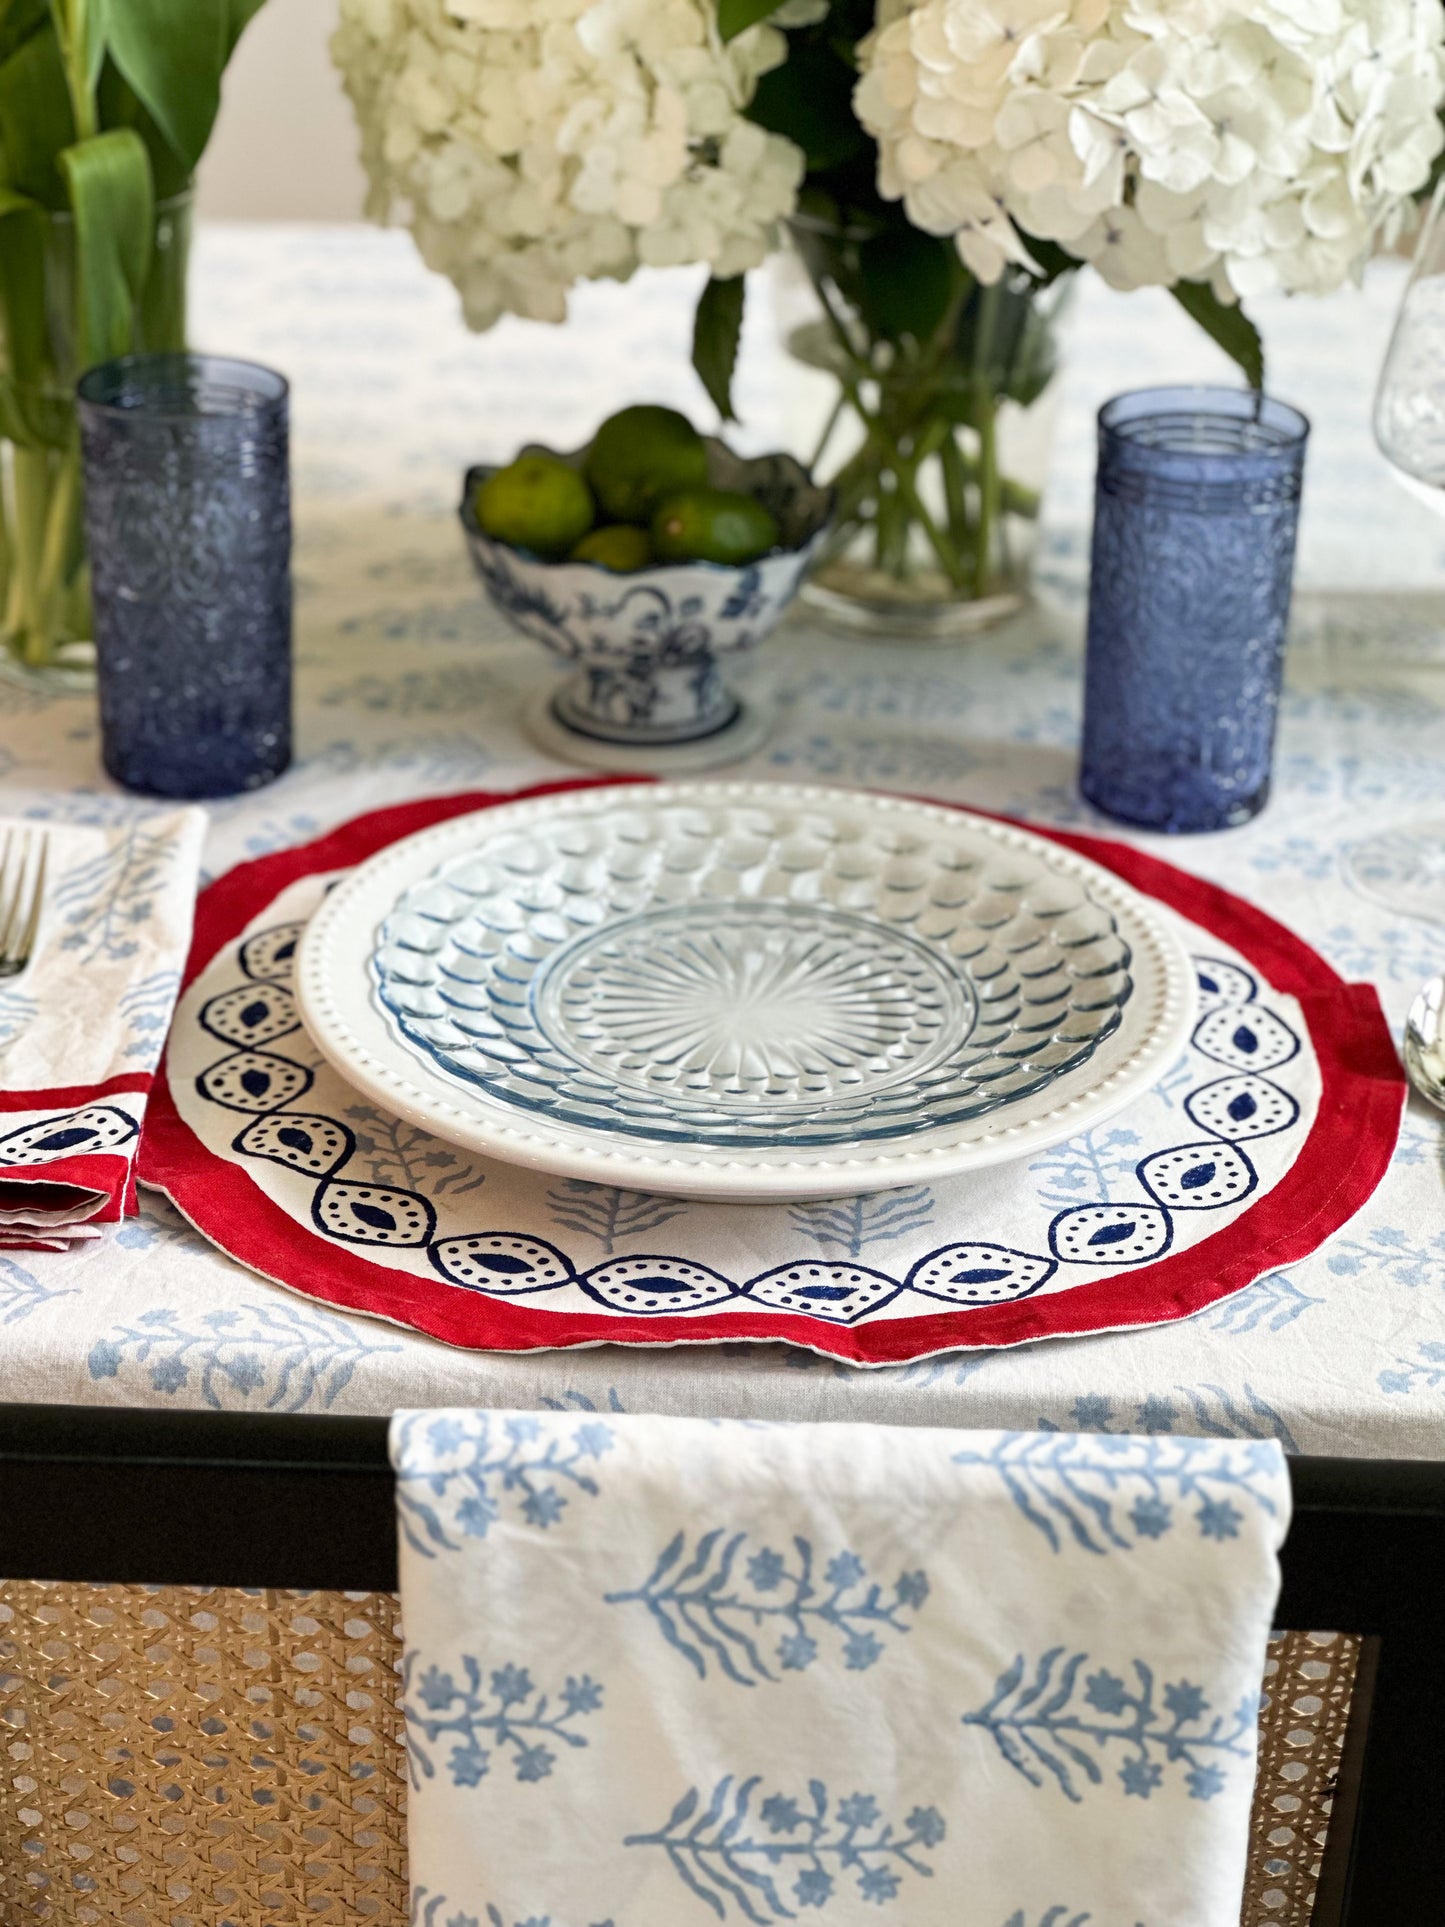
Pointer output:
285, 144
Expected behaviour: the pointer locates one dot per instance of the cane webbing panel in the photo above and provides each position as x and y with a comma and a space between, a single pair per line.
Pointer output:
199, 1758
1307, 1683
188, 1757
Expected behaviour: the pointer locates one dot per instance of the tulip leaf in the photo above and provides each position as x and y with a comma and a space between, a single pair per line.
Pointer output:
173, 53
716, 329
111, 194
1229, 327
35, 117
19, 19
29, 416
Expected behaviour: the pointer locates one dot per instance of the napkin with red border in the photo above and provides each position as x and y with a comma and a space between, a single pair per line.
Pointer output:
81, 1028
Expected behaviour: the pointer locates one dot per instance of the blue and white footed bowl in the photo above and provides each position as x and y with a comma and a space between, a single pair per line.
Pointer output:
646, 647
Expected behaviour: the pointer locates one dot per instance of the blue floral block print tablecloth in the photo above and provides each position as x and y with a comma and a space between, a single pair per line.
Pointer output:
408, 686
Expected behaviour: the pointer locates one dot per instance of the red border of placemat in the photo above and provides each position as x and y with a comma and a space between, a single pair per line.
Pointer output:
1342, 1161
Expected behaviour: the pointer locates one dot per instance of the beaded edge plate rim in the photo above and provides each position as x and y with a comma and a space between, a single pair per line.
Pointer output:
333, 992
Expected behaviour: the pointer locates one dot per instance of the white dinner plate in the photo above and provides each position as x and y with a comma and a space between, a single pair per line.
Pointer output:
743, 991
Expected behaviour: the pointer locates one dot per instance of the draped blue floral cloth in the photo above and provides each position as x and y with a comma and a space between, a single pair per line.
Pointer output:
665, 1671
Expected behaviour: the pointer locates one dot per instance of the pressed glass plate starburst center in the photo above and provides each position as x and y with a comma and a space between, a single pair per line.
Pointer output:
735, 1003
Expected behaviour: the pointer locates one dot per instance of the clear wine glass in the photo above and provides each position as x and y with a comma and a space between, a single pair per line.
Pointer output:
1403, 868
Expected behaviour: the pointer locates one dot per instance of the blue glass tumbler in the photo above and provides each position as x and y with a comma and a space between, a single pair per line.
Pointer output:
1196, 511
188, 516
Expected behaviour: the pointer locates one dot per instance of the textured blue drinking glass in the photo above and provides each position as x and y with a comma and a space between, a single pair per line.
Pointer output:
188, 516
1196, 511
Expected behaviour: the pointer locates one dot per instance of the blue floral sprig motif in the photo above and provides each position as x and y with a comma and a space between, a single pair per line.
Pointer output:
1053, 1917
775, 1855
722, 1599
280, 1357
391, 1151
17, 1012
1051, 1723
21, 1292
456, 1473
486, 1712
146, 1008
846, 1227
1108, 1494
1425, 1372
429, 1910
1269, 1304
607, 1214
100, 902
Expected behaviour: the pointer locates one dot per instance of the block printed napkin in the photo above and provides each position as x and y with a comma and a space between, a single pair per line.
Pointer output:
668, 1672
81, 1029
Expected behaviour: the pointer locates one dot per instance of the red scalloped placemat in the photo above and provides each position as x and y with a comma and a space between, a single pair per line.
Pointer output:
1290, 1099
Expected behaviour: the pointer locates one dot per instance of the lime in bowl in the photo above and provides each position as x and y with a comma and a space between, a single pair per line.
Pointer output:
643, 576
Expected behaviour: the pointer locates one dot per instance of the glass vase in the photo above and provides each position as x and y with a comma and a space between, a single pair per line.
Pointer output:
938, 448
45, 625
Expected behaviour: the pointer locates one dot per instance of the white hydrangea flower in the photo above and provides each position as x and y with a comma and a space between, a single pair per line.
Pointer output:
1251, 144
531, 144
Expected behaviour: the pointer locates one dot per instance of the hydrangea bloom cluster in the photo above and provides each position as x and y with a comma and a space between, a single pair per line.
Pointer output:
534, 143
1252, 144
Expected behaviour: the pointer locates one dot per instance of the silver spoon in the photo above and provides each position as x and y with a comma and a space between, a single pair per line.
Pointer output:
1425, 1042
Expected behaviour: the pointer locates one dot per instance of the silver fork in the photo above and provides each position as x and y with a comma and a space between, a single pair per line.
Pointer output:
22, 889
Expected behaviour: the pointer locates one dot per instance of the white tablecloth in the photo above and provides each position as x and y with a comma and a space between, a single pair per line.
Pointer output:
408, 685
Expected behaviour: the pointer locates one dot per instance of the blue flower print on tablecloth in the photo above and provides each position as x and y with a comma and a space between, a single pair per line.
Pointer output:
462, 1472
472, 1719
1422, 1372
22, 1292
1058, 1916
435, 1910
757, 1611
758, 1854
268, 1356
1199, 1410
1054, 1720
1222, 1127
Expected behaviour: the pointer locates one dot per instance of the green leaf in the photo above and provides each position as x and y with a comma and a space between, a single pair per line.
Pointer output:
736, 16
27, 416
35, 118
1229, 326
906, 281
239, 14
716, 330
810, 99
109, 180
173, 53
19, 19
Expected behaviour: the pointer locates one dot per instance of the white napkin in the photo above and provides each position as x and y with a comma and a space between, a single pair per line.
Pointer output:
666, 1672
81, 1028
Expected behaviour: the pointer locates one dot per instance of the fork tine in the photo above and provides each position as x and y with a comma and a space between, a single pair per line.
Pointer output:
37, 893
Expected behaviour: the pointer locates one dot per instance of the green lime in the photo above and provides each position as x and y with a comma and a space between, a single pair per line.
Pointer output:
641, 454
537, 503
712, 525
619, 546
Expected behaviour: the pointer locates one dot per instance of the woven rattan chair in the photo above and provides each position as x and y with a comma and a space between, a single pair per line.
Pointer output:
201, 1727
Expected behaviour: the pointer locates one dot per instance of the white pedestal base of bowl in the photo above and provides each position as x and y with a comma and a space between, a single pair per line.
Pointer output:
749, 730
